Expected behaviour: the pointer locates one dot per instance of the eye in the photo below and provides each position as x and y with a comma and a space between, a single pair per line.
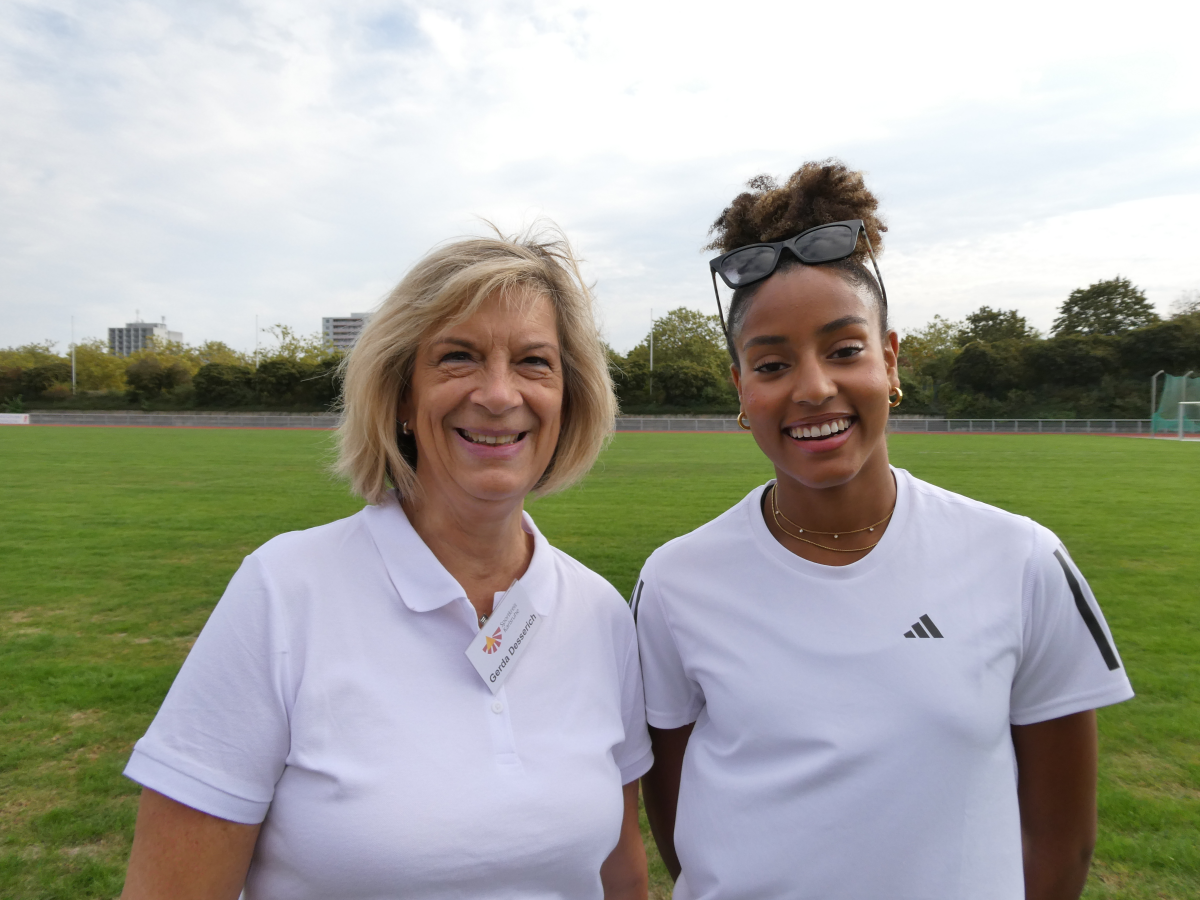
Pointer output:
847, 352
535, 361
770, 367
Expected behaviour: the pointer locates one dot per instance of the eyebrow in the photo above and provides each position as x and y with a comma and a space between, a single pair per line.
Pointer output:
827, 328
839, 324
764, 339
461, 342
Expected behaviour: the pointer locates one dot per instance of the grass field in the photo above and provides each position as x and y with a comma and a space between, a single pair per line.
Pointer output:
115, 543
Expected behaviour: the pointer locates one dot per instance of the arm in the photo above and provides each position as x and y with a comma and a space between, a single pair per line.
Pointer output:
660, 788
1056, 788
180, 853
624, 874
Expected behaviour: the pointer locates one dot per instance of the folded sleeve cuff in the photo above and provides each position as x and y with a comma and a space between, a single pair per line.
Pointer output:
1065, 707
637, 769
190, 791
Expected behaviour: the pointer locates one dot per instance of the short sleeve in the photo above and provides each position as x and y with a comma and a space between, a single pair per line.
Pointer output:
1069, 662
672, 698
633, 756
221, 737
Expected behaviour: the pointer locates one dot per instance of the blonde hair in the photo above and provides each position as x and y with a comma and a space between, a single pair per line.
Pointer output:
446, 287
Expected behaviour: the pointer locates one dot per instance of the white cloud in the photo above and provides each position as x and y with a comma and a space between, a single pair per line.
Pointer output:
208, 162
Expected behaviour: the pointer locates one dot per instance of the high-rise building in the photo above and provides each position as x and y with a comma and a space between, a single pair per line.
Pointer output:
133, 337
343, 332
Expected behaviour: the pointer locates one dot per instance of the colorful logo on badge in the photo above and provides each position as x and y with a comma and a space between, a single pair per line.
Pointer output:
491, 643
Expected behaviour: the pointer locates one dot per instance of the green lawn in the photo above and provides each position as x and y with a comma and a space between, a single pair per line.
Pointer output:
115, 543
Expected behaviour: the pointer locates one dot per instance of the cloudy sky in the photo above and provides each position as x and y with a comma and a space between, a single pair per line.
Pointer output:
210, 162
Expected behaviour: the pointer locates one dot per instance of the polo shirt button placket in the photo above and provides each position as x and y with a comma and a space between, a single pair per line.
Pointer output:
500, 724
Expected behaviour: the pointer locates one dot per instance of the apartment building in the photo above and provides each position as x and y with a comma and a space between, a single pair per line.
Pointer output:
134, 336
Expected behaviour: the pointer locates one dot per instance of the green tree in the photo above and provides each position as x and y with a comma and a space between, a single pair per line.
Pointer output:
297, 347
29, 355
150, 377
990, 325
37, 380
990, 368
1106, 307
96, 369
221, 385
932, 346
1186, 305
691, 364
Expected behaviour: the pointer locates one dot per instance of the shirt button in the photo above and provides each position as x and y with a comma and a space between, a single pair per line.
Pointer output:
497, 706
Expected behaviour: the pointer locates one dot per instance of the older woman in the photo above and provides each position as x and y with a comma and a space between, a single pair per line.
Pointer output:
425, 699
859, 685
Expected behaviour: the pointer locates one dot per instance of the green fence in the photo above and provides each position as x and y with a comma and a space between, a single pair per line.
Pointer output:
1178, 389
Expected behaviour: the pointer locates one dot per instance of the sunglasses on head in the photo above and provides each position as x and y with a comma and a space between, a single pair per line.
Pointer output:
825, 243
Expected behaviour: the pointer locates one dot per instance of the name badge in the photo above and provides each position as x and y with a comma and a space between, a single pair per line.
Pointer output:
505, 638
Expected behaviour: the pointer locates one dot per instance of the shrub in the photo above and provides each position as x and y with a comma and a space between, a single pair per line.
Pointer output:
219, 384
148, 378
36, 380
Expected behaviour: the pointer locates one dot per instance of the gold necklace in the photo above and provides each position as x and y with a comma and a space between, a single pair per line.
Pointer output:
778, 515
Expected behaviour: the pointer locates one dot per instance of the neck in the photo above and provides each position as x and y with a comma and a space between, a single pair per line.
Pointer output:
481, 544
862, 501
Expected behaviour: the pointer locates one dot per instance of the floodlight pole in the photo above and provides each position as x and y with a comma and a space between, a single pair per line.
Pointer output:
72, 356
1153, 384
652, 354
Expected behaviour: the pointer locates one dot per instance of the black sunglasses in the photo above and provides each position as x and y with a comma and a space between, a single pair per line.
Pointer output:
823, 244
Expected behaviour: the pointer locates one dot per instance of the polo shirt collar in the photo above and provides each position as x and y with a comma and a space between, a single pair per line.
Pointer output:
423, 582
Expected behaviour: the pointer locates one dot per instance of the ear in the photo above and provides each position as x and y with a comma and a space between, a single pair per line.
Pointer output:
891, 355
736, 374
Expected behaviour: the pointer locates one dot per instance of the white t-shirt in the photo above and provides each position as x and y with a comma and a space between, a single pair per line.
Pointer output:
329, 692
851, 736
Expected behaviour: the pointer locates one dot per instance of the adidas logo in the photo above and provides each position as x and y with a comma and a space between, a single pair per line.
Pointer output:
919, 631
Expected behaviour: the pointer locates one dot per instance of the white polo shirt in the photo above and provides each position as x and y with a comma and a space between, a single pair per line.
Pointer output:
852, 724
329, 692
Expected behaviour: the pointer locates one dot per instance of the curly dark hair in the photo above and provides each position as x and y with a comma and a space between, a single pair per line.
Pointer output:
816, 193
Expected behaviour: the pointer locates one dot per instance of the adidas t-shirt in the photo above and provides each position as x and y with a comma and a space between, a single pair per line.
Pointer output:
851, 736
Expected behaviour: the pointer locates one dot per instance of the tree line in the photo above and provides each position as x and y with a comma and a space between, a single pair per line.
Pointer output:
1104, 345
298, 372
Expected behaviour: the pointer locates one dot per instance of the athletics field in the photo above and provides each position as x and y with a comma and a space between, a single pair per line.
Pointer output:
116, 542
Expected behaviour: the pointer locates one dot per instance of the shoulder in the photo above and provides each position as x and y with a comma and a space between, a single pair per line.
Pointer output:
588, 585
937, 508
713, 540
300, 553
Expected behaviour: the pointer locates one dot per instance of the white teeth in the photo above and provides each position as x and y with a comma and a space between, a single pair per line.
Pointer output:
491, 439
818, 431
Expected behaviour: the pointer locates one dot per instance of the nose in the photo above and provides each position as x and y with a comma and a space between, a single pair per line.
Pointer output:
497, 392
813, 384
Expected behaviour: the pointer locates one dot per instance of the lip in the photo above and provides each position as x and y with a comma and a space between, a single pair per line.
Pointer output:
492, 451
825, 444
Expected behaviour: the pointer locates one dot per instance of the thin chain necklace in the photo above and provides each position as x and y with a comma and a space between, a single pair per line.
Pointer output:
780, 516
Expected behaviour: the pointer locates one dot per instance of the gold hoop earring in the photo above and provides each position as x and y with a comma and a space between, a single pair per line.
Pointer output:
743, 422
899, 396
404, 427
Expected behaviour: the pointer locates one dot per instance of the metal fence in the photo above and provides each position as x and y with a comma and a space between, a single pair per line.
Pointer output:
1022, 426
186, 420
623, 423
922, 426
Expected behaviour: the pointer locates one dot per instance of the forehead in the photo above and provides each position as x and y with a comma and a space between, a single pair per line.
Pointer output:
805, 298
520, 311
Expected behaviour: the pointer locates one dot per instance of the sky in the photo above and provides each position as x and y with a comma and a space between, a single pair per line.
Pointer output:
224, 162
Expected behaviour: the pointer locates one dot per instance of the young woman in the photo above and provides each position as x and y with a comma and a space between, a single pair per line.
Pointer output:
859, 685
329, 735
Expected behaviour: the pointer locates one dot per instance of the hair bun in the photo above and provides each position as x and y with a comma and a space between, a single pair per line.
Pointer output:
816, 193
